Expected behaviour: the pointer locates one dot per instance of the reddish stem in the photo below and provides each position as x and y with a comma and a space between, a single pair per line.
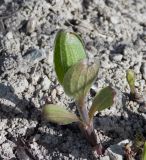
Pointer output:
87, 128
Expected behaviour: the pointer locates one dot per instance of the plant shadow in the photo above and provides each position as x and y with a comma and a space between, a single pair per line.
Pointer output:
68, 139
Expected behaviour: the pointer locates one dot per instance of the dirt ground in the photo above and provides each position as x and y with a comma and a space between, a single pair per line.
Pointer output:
114, 31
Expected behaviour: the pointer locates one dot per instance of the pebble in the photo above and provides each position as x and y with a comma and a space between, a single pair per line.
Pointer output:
60, 90
36, 137
137, 68
31, 25
116, 151
20, 85
33, 56
9, 35
116, 57
114, 19
53, 94
105, 64
45, 83
105, 158
35, 78
4, 90
142, 108
143, 70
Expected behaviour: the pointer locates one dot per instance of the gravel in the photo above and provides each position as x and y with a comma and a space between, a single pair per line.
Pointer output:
113, 31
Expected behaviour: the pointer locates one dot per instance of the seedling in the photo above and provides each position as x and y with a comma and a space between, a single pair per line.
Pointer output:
76, 75
130, 75
144, 152
137, 150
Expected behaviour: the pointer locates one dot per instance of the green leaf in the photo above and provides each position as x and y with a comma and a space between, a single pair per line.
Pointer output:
102, 100
79, 78
144, 152
131, 80
58, 114
68, 50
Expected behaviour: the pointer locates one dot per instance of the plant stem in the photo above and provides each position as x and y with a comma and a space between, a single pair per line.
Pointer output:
82, 108
87, 128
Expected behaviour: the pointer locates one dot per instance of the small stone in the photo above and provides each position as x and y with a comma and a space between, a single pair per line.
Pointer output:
46, 83
35, 78
114, 19
34, 56
21, 154
105, 64
53, 94
116, 57
142, 108
9, 35
36, 137
143, 70
59, 90
137, 68
116, 151
105, 158
20, 84
31, 25
4, 89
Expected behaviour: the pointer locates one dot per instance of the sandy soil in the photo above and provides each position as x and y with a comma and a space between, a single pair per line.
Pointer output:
113, 30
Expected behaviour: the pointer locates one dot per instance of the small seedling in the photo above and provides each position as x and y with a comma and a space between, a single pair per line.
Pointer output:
76, 75
137, 150
130, 75
144, 152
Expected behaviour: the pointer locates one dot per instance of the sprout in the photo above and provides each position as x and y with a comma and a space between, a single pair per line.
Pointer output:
76, 76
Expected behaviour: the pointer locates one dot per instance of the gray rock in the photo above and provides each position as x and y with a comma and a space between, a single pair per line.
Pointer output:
21, 154
34, 56
46, 83
143, 70
105, 158
19, 84
31, 25
116, 151
116, 57
105, 63
4, 89
142, 108
114, 19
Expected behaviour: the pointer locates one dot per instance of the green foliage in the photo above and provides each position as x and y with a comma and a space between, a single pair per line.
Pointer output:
131, 80
79, 78
76, 76
68, 50
102, 100
58, 114
144, 152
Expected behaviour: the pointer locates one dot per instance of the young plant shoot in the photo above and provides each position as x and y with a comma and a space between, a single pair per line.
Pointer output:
130, 75
76, 75
144, 152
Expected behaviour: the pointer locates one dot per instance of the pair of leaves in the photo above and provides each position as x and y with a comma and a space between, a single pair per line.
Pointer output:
76, 76
60, 115
71, 66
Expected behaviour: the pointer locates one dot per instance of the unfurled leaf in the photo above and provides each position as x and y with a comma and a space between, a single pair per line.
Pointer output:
69, 49
102, 100
79, 78
131, 80
144, 152
57, 114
